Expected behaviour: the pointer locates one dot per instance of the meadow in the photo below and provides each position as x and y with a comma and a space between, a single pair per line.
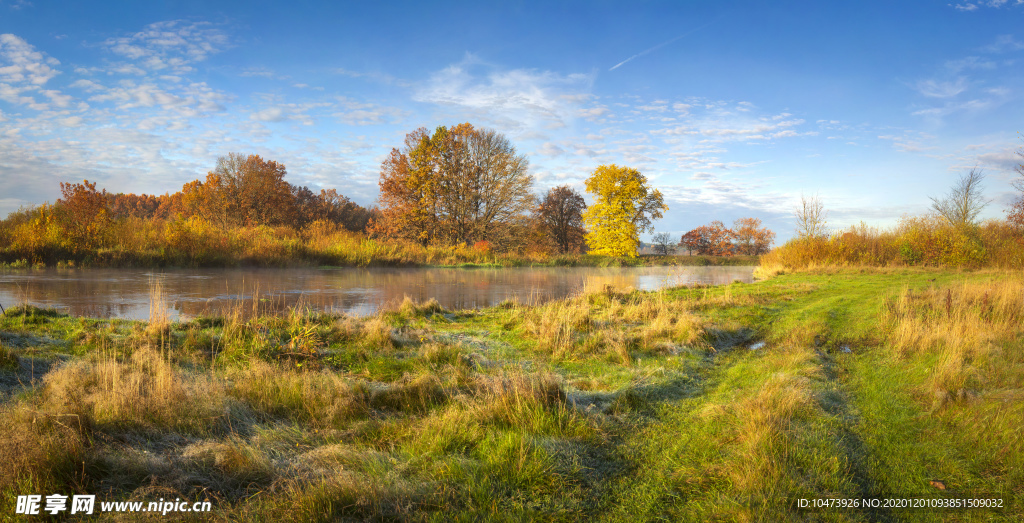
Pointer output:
689, 404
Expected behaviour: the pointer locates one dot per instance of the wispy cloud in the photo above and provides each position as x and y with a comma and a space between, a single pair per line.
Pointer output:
1004, 43
939, 89
522, 99
18, 4
973, 6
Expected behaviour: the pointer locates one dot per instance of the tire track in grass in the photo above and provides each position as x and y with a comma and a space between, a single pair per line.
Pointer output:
835, 402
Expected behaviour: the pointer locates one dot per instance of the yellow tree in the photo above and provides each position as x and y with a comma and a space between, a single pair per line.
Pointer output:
623, 208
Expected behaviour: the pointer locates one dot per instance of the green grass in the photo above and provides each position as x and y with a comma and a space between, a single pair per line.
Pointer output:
691, 404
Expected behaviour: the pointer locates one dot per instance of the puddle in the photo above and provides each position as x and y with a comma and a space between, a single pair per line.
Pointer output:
758, 345
846, 349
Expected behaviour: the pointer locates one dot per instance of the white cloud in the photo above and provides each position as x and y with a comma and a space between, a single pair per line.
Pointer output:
973, 6
938, 89
974, 105
87, 85
550, 149
1004, 43
129, 96
261, 72
591, 113
352, 112
23, 64
172, 45
270, 114
970, 62
519, 98
23, 72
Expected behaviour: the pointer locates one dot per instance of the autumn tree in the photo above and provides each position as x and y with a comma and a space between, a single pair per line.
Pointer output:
691, 241
84, 213
456, 186
663, 244
560, 215
623, 208
253, 189
123, 205
750, 238
713, 239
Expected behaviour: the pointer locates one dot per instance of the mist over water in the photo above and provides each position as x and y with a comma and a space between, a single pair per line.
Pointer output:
186, 293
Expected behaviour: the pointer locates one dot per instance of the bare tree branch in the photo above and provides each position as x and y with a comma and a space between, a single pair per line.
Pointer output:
811, 217
964, 202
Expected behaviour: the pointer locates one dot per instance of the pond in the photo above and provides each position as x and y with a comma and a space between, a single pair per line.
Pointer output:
185, 293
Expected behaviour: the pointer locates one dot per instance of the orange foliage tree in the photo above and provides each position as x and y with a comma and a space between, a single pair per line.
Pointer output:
455, 186
713, 239
83, 212
751, 238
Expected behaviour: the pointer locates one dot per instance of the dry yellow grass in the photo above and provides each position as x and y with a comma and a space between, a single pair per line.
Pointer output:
144, 391
159, 319
321, 398
962, 326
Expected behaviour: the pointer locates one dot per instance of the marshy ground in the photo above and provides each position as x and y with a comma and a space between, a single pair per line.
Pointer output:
690, 404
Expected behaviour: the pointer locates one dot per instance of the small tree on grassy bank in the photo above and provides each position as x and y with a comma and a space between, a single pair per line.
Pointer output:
811, 218
663, 244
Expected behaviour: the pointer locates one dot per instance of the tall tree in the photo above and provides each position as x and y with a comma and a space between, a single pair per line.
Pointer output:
254, 189
750, 238
811, 217
459, 185
623, 208
560, 214
964, 202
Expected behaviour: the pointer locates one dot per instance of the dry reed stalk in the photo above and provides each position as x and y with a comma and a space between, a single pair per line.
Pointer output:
159, 319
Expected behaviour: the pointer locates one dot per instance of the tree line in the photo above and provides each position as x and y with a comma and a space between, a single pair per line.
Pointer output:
242, 191
456, 186
466, 185
747, 237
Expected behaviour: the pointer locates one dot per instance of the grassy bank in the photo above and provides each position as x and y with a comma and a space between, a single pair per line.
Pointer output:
726, 403
195, 243
37, 239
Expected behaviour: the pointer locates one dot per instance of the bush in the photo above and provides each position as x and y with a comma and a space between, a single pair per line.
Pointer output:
920, 240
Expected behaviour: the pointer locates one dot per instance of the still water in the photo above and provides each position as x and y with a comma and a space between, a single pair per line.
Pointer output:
185, 293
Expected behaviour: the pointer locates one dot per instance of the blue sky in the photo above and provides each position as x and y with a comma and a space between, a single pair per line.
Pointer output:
731, 109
